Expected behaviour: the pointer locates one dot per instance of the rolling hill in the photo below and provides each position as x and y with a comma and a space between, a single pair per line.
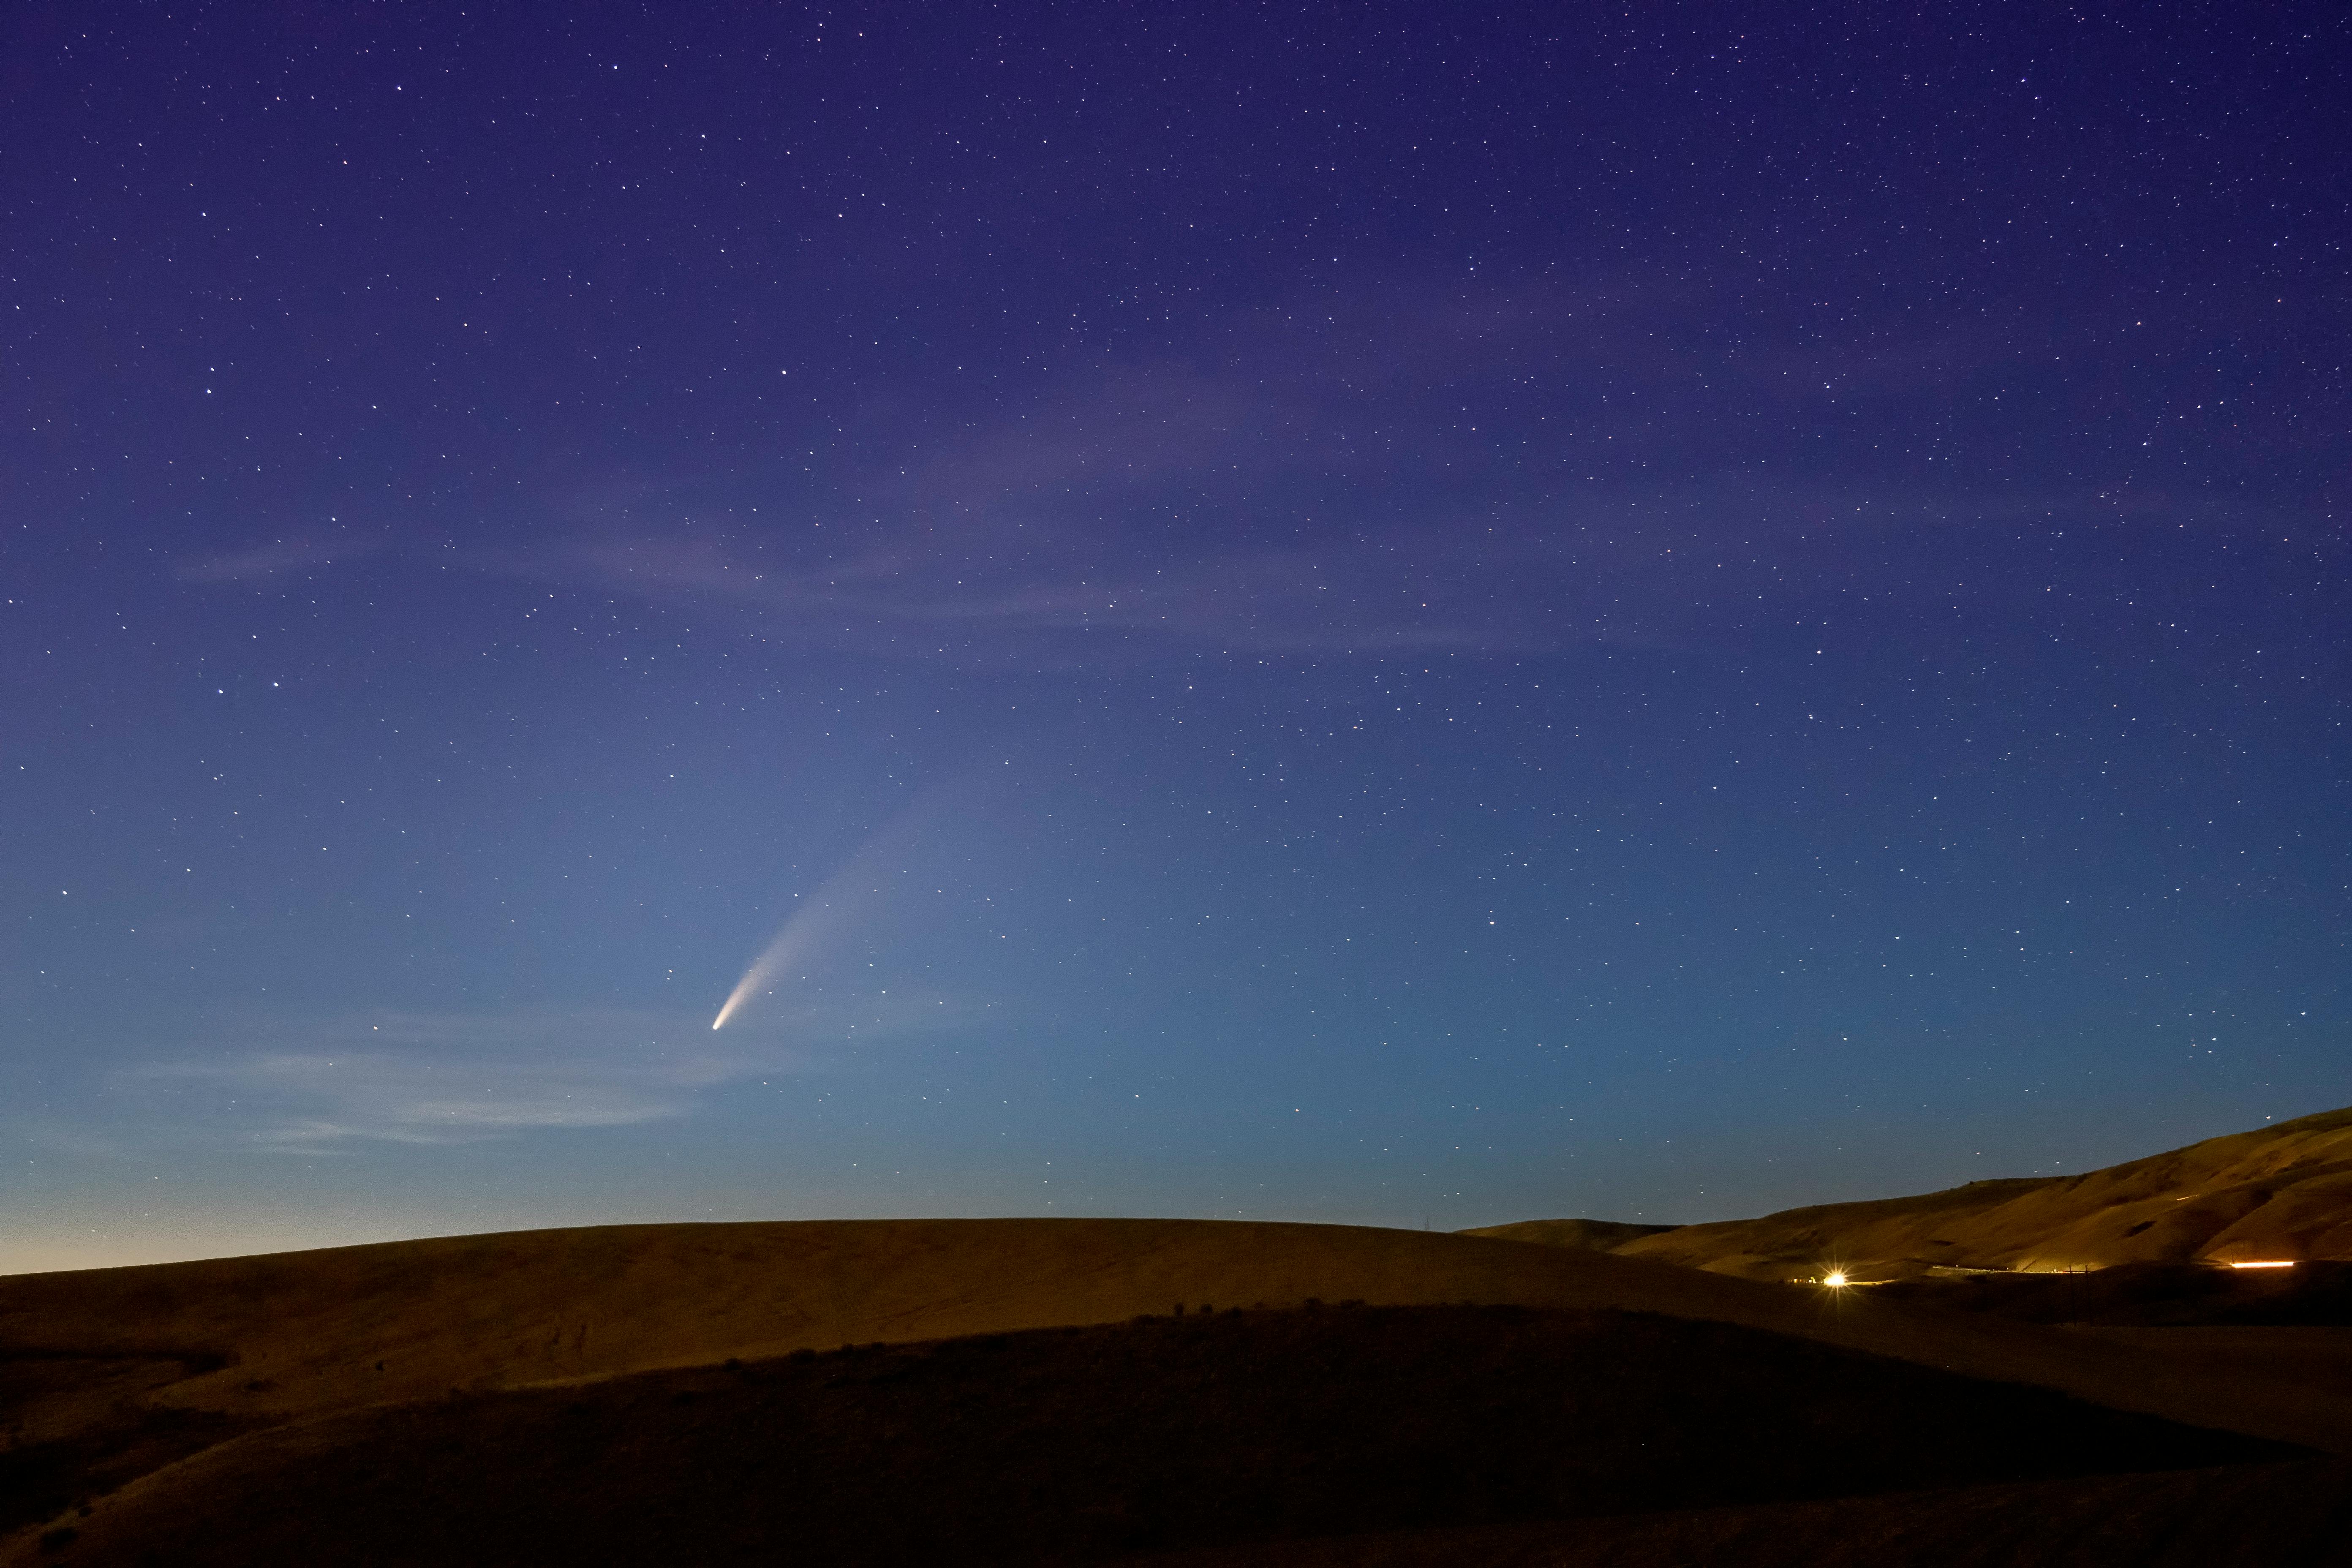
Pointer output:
1069, 1390
2278, 1192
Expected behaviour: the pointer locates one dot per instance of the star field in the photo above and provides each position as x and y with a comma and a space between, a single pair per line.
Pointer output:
1389, 614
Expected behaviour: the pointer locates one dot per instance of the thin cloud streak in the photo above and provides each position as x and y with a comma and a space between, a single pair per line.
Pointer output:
887, 600
443, 1078
279, 555
1326, 481
1145, 509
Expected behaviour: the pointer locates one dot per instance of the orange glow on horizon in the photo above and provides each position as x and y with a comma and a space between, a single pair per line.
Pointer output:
2278, 1262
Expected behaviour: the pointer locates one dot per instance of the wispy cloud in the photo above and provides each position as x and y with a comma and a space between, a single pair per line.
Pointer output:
435, 1079
963, 600
1298, 481
1509, 468
296, 553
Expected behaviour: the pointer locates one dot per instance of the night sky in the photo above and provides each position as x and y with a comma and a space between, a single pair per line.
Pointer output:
1382, 613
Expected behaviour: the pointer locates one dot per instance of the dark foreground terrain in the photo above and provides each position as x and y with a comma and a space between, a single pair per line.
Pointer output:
2044, 1373
2148, 1295
2243, 1516
1307, 1436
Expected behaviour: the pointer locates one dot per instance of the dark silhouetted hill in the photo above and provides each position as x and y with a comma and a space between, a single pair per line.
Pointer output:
1083, 1445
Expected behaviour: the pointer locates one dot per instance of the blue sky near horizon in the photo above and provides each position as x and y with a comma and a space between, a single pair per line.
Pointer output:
1395, 615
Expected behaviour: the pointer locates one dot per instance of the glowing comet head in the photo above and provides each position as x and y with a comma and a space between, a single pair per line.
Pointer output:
1834, 1279
742, 992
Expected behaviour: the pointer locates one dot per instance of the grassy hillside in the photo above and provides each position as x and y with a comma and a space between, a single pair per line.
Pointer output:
296, 1335
300, 1334
691, 1381
2283, 1192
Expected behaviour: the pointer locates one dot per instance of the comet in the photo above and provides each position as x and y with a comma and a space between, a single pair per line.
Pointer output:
848, 895
797, 936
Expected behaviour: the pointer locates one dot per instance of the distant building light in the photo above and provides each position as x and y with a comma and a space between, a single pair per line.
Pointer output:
2278, 1262
1836, 1279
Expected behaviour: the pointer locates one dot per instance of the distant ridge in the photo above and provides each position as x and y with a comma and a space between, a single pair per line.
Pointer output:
1582, 1235
2276, 1194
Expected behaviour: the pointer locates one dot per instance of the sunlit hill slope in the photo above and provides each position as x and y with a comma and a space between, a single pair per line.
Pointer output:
2279, 1193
